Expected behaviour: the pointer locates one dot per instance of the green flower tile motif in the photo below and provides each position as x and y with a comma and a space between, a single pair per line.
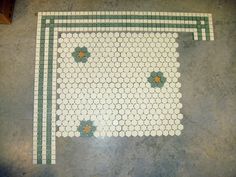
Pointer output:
81, 54
156, 79
86, 128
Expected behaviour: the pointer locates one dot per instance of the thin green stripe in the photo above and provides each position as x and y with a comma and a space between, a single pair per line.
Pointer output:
154, 17
40, 96
143, 25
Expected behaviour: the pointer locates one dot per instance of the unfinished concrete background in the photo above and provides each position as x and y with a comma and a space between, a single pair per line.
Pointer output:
207, 146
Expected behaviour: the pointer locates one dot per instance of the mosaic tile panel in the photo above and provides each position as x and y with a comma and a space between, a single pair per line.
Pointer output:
106, 74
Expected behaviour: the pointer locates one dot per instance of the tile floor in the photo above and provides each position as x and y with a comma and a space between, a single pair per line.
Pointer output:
109, 74
206, 146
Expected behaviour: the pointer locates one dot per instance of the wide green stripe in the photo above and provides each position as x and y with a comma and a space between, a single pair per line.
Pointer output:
207, 29
40, 95
49, 96
199, 30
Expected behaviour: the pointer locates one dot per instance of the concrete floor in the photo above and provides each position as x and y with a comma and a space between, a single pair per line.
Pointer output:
207, 146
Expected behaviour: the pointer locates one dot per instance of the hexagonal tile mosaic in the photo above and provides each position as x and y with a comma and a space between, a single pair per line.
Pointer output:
112, 89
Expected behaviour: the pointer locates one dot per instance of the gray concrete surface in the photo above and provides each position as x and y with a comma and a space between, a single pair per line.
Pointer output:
207, 146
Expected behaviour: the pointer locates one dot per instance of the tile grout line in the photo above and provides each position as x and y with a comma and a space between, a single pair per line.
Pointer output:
35, 121
135, 21
44, 122
53, 139
66, 13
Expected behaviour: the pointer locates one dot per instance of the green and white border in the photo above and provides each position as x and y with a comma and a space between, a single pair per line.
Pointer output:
51, 23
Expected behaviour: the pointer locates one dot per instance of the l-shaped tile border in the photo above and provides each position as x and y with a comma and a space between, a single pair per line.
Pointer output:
50, 23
